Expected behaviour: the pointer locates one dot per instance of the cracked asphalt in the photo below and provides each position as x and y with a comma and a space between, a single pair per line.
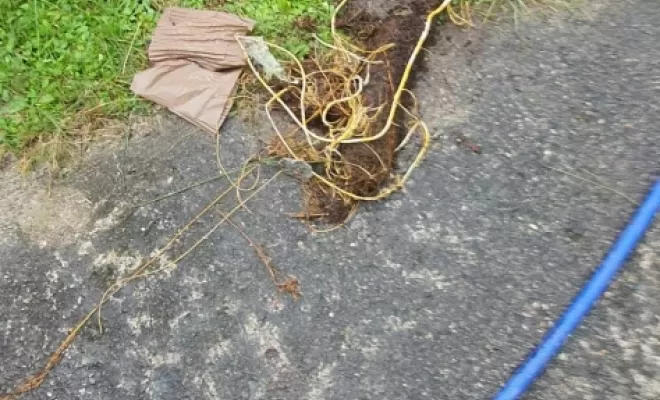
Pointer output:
436, 293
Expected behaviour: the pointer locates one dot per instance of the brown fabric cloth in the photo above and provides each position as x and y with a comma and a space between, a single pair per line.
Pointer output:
196, 62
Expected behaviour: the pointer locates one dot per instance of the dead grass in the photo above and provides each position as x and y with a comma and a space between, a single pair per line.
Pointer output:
469, 13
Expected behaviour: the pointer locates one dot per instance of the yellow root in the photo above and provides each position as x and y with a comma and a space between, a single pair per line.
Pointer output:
353, 127
142, 271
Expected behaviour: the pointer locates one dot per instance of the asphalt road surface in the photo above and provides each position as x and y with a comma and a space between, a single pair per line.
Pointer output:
436, 293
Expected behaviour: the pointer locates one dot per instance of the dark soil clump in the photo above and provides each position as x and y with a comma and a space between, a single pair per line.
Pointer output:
370, 165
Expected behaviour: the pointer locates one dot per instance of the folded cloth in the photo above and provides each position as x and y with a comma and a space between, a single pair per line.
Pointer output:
196, 62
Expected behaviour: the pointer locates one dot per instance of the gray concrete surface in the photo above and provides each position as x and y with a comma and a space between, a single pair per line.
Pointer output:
437, 293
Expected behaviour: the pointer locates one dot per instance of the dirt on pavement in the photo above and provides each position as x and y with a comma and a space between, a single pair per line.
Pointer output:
370, 165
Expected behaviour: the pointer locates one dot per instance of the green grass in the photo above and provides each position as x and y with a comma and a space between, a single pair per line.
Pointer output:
276, 19
62, 61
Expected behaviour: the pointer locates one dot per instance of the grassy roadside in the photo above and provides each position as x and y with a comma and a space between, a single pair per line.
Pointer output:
65, 62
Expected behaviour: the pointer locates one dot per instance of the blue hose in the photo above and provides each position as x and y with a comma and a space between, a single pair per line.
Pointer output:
536, 362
